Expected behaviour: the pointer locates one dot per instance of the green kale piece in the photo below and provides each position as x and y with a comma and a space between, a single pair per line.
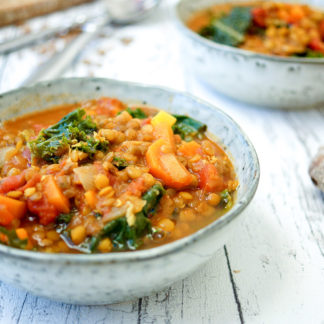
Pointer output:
137, 113
72, 131
119, 163
310, 54
226, 199
62, 221
152, 198
230, 29
188, 128
13, 239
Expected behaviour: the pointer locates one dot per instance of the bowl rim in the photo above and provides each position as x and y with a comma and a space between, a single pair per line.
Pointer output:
141, 255
234, 50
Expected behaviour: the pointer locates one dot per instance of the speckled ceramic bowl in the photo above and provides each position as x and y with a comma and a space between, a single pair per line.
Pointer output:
270, 81
114, 277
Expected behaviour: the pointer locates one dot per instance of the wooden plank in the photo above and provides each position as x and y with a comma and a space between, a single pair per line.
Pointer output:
204, 297
13, 11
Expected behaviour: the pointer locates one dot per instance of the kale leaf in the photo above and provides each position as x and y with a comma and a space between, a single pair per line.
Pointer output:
72, 131
119, 163
188, 128
230, 29
152, 198
13, 239
137, 113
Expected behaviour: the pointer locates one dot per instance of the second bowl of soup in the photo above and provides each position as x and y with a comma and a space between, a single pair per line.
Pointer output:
266, 53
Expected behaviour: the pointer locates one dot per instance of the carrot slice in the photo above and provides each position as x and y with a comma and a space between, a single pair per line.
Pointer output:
190, 149
5, 216
55, 196
14, 207
22, 233
166, 167
164, 131
91, 198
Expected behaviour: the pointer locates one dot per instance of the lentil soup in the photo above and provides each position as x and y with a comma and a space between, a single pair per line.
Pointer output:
266, 27
102, 176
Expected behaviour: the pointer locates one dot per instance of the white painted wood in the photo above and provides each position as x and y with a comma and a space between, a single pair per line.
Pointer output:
276, 261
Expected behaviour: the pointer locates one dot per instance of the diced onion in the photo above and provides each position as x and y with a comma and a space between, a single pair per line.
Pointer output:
86, 176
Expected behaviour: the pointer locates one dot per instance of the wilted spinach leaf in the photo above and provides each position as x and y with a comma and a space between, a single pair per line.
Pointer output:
188, 128
137, 113
230, 29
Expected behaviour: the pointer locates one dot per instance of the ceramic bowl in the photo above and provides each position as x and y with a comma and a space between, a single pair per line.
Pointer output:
115, 277
264, 80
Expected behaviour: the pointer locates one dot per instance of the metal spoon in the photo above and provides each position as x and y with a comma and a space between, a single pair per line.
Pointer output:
121, 12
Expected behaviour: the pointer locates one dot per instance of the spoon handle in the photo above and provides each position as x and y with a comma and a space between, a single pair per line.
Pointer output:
20, 42
60, 62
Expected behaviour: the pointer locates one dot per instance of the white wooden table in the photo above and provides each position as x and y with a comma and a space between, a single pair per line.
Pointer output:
273, 270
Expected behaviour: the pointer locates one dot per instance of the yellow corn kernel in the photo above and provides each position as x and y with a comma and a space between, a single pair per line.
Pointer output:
163, 117
166, 224
105, 245
107, 191
14, 194
78, 234
29, 191
186, 195
213, 199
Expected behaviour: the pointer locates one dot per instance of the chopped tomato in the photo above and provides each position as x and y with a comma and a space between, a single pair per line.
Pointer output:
316, 45
321, 29
210, 180
46, 212
32, 182
259, 16
109, 106
137, 187
12, 182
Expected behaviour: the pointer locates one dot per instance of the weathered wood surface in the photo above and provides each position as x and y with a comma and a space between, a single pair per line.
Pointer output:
273, 270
